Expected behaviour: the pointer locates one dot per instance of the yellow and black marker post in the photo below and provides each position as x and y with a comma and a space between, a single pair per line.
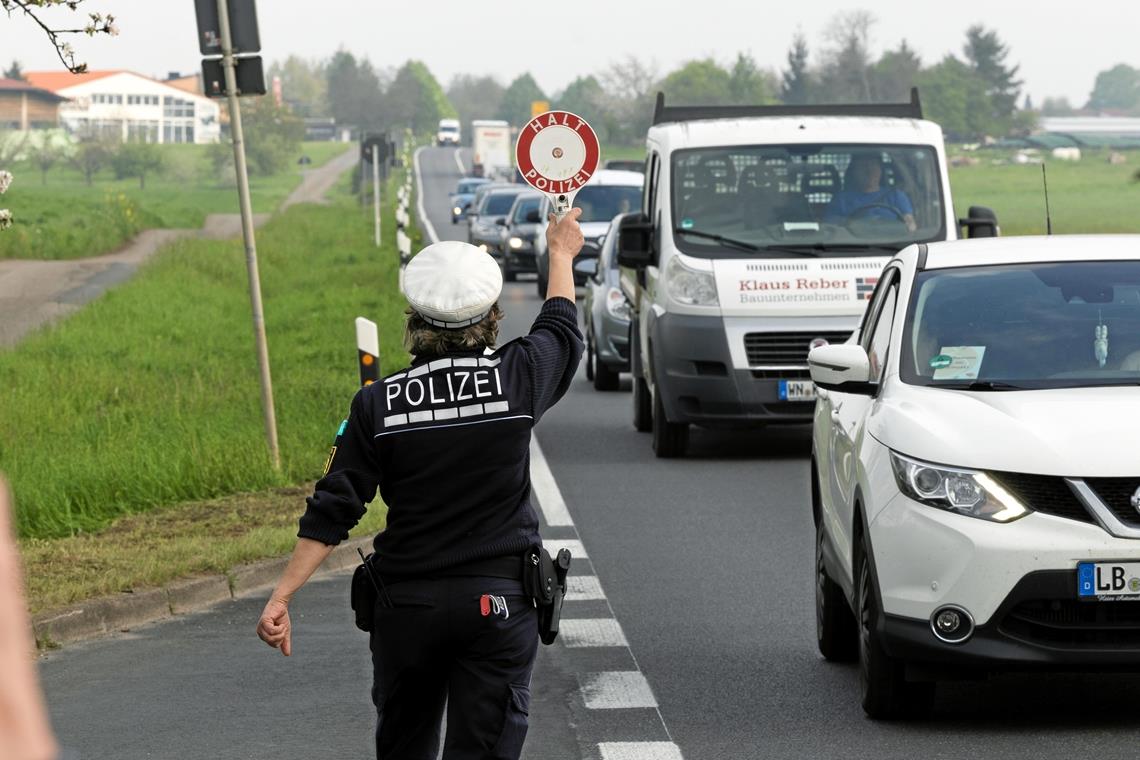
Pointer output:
367, 351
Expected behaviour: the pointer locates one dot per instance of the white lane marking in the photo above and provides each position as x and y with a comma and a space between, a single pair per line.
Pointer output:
459, 163
592, 632
640, 751
617, 689
420, 198
546, 488
583, 588
554, 545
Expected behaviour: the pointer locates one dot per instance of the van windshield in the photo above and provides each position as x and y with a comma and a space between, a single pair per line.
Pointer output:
601, 203
851, 199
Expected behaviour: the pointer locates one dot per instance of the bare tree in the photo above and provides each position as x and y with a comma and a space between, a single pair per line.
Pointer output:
845, 71
97, 23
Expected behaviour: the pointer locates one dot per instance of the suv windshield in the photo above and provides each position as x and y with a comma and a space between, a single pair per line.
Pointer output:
498, 204
601, 203
1025, 326
858, 198
524, 207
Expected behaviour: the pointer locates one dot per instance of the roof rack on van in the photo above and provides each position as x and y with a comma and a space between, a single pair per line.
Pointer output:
911, 110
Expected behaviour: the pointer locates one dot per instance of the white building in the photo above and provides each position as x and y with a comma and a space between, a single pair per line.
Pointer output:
129, 106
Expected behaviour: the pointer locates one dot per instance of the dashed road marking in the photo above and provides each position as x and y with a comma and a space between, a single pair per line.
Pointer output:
459, 163
640, 751
549, 495
554, 545
617, 689
592, 632
428, 228
583, 588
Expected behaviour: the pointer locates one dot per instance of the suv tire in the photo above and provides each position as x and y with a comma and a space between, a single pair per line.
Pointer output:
887, 695
670, 439
542, 285
605, 379
590, 359
642, 409
835, 631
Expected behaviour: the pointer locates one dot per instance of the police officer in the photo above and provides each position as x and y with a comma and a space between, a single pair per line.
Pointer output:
446, 441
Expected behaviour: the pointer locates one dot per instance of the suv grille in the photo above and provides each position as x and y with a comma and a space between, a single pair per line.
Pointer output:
1116, 493
766, 349
1045, 493
1069, 623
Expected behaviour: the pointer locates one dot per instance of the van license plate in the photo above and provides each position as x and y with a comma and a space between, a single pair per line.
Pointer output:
797, 390
1108, 580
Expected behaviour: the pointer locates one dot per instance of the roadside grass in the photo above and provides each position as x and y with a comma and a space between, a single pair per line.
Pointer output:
162, 545
67, 218
149, 396
1089, 195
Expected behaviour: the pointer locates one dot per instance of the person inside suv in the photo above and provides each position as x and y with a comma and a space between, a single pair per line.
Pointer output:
863, 196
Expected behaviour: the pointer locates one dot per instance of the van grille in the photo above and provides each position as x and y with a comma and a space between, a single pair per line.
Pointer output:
771, 349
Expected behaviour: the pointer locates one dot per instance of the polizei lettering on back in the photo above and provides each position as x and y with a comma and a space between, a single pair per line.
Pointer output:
445, 390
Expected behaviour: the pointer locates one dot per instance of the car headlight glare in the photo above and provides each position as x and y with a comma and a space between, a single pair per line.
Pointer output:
617, 305
457, 211
516, 243
967, 492
690, 286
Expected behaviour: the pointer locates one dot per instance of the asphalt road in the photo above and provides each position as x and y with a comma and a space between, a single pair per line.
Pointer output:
706, 563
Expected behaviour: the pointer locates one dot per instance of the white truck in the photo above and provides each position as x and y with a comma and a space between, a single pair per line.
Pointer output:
762, 234
491, 148
448, 133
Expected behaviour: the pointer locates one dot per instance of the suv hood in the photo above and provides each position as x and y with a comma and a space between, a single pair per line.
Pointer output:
1074, 432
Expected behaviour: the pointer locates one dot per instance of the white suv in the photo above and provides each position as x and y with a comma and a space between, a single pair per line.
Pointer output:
975, 476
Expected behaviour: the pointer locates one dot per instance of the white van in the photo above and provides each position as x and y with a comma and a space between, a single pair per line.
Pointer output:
762, 234
448, 133
491, 148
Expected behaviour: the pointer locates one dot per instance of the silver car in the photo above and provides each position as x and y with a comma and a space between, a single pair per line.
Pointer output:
488, 213
607, 314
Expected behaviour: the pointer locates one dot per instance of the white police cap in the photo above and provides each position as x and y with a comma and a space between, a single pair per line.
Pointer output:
452, 284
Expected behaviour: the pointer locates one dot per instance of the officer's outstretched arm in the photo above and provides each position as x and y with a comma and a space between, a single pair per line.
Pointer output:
563, 240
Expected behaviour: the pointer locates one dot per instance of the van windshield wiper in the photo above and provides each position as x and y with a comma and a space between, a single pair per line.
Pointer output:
980, 385
742, 244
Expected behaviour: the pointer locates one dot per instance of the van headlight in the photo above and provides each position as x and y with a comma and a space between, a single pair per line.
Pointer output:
690, 286
967, 492
617, 305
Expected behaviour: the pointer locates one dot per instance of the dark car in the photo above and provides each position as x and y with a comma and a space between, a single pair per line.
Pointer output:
516, 242
461, 199
485, 228
607, 315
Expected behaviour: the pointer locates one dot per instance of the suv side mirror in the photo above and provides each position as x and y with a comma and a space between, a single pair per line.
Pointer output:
533, 217
635, 241
981, 223
841, 367
501, 221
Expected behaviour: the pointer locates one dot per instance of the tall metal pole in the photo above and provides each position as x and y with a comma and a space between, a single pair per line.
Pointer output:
376, 190
229, 69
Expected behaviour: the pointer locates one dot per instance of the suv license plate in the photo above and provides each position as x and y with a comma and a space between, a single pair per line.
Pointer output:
1101, 581
797, 390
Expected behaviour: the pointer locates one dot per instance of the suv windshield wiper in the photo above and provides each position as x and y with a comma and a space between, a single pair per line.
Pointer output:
743, 245
980, 385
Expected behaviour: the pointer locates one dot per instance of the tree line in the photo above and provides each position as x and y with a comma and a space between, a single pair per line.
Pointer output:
973, 93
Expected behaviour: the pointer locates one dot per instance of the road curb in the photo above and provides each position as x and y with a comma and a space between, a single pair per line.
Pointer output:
122, 612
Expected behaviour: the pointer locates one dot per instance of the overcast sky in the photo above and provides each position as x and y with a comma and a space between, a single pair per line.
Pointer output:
1060, 46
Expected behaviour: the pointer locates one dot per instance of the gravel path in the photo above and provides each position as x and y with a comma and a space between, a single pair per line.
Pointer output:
35, 293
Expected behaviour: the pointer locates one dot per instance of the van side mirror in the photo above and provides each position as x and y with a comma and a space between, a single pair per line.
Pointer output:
533, 217
842, 367
981, 223
587, 267
635, 241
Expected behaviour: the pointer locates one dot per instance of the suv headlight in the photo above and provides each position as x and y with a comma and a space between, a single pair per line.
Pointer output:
516, 243
967, 492
616, 304
690, 286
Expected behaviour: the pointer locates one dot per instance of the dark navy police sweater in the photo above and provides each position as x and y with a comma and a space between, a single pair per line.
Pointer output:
447, 442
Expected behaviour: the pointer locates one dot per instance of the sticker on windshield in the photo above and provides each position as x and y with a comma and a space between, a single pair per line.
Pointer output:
801, 226
958, 362
686, 224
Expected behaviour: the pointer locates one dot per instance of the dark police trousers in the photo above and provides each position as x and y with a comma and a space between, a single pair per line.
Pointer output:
433, 646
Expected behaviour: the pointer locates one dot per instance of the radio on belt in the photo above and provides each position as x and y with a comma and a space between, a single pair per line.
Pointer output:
557, 153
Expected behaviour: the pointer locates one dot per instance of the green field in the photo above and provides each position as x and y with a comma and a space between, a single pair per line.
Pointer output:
67, 218
163, 404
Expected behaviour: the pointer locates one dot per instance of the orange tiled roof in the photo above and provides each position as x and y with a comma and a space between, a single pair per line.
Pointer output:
58, 80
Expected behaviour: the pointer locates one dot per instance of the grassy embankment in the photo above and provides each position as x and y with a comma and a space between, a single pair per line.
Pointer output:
1090, 195
67, 218
149, 398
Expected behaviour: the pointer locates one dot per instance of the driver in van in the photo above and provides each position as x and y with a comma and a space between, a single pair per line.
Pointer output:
864, 197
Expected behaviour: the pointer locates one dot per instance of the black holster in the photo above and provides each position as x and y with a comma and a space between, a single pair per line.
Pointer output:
544, 580
364, 594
